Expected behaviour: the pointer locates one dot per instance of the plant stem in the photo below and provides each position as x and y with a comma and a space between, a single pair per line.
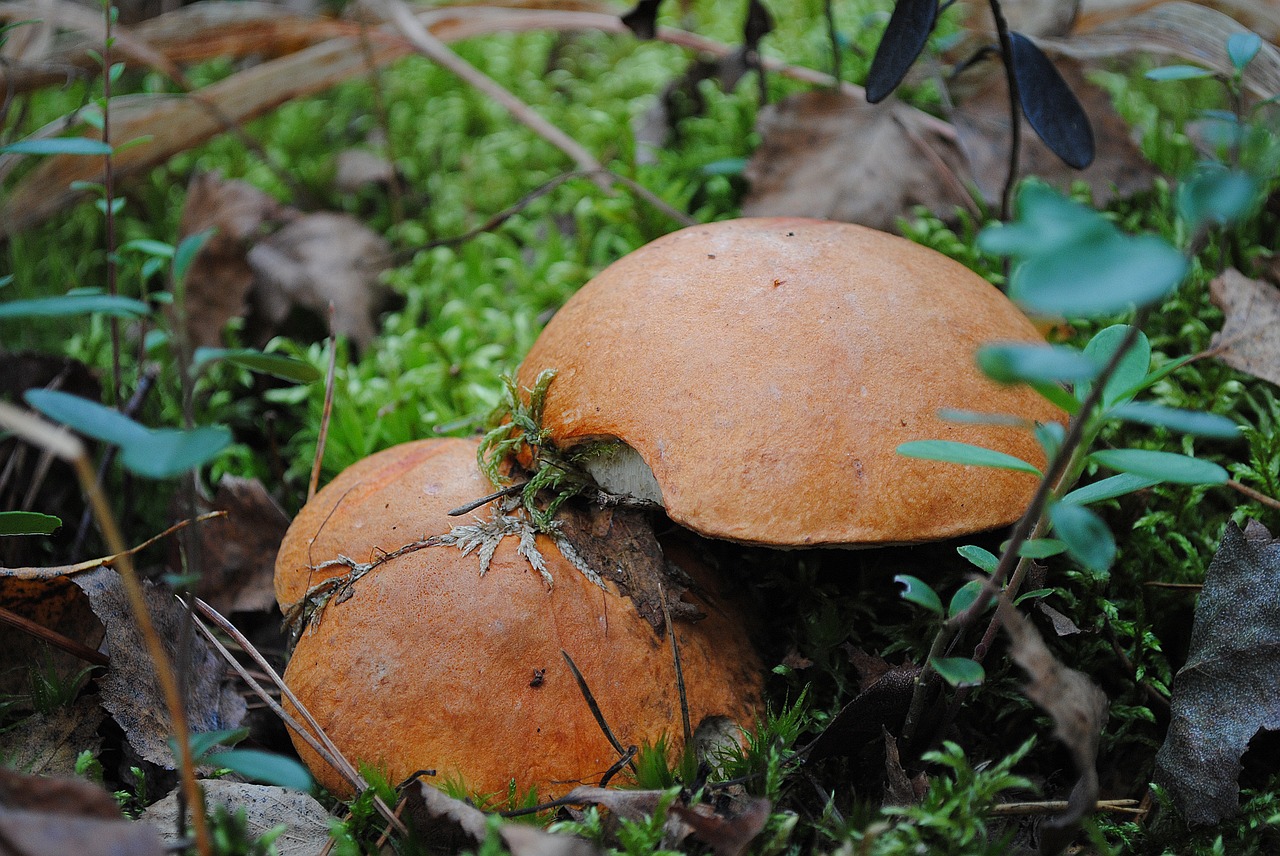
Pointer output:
1031, 521
108, 196
1015, 109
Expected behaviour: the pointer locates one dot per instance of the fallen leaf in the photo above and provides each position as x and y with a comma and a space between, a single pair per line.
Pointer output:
129, 689
60, 795
452, 825
1250, 335
899, 789
83, 836
981, 118
727, 834
238, 550
1078, 709
356, 169
318, 260
219, 279
833, 156
48, 744
265, 806
1261, 16
57, 605
1062, 625
1229, 688
883, 703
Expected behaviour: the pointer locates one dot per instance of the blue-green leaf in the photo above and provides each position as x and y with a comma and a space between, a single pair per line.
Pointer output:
1217, 195
57, 146
1041, 548
74, 304
959, 671
1166, 466
977, 417
264, 767
1179, 72
1110, 488
88, 417
186, 251
917, 591
1102, 276
276, 365
201, 742
1046, 222
1016, 363
964, 453
984, 560
1131, 371
1088, 538
1050, 436
28, 523
168, 452
964, 598
1242, 48
156, 249
724, 166
1187, 421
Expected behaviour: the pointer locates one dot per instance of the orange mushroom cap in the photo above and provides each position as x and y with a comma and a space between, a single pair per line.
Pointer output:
766, 370
429, 665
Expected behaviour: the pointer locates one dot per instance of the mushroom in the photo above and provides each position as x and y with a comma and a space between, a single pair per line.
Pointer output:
755, 377
418, 661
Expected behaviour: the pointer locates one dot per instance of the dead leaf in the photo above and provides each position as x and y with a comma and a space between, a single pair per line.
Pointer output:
219, 279
833, 156
265, 806
1229, 687
48, 744
1062, 625
356, 169
55, 815
1261, 16
981, 117
883, 703
1078, 709
317, 260
239, 550
451, 825
56, 795
129, 689
57, 605
900, 789
726, 834
1250, 335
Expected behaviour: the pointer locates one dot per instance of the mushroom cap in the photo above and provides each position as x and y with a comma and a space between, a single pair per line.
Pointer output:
767, 369
428, 665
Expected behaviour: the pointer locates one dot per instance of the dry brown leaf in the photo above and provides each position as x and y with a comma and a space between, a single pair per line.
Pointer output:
239, 550
129, 689
56, 795
981, 117
319, 260
49, 743
42, 833
265, 806
726, 834
1078, 709
833, 156
55, 604
219, 279
356, 169
1261, 16
451, 825
1250, 335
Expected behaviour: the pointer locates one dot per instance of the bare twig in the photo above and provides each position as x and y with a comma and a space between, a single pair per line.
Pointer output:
327, 412
52, 637
1255, 495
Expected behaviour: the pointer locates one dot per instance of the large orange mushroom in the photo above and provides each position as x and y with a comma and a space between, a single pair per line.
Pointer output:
755, 377
411, 659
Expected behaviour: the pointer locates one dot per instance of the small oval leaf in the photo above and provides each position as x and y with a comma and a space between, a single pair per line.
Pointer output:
917, 591
1110, 488
959, 671
1166, 466
964, 453
1017, 363
1178, 72
983, 560
28, 523
1242, 48
276, 365
904, 38
88, 417
1087, 537
167, 452
1041, 548
1111, 274
1192, 422
1217, 196
1130, 372
964, 597
264, 767
1049, 104
57, 146
75, 304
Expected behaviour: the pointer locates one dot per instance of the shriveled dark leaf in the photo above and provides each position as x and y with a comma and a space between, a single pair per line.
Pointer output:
1050, 105
829, 155
1250, 336
130, 691
1229, 688
904, 38
1079, 711
453, 825
727, 834
759, 24
56, 795
643, 19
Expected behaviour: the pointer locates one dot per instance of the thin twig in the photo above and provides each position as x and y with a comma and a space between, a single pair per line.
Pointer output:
327, 412
591, 703
675, 659
1015, 108
1025, 809
1256, 496
52, 637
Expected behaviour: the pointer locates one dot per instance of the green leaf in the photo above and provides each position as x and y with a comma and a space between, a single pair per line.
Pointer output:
976, 417
1242, 48
157, 249
276, 365
959, 671
1178, 72
1046, 222
74, 304
168, 452
917, 591
1110, 488
1016, 363
1088, 538
1216, 195
28, 523
1102, 276
1132, 369
201, 742
57, 146
964, 597
1187, 421
88, 417
1166, 466
964, 453
1050, 436
264, 767
984, 560
187, 250
1041, 548
724, 166
1057, 396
